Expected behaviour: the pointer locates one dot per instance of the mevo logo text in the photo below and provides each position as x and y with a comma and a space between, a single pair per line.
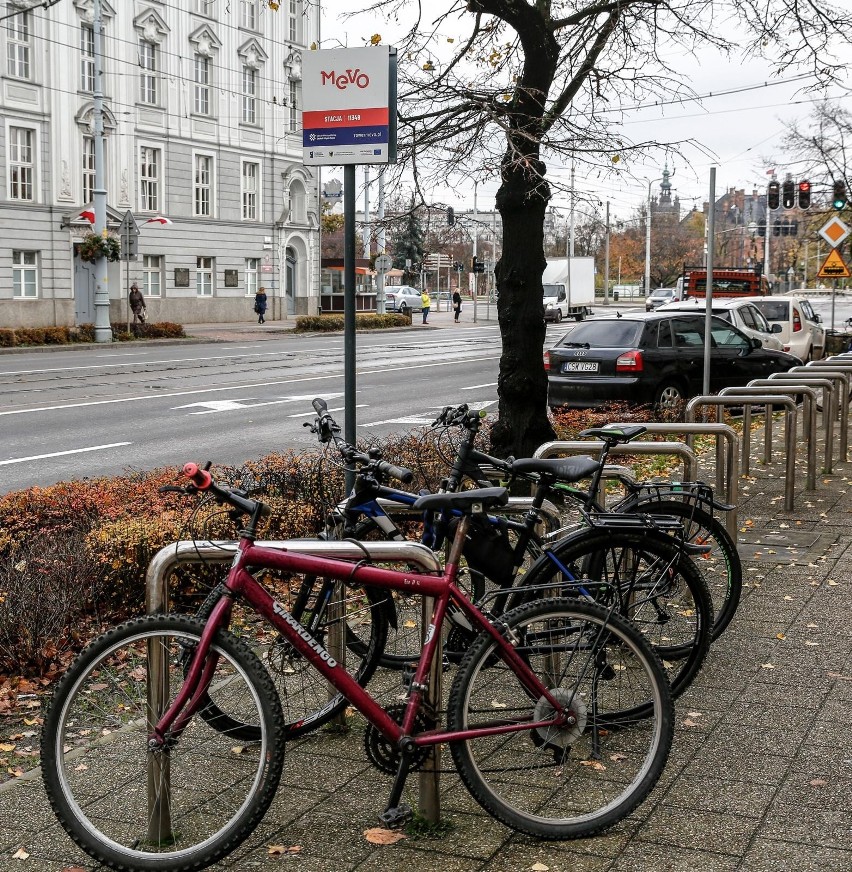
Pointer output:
345, 79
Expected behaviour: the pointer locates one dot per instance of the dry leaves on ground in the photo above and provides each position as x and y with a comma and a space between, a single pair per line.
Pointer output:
283, 850
381, 836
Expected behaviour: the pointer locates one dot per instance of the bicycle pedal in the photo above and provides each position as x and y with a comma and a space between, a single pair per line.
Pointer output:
406, 676
397, 817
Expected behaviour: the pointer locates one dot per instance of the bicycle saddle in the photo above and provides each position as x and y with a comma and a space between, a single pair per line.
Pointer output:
614, 435
464, 501
564, 468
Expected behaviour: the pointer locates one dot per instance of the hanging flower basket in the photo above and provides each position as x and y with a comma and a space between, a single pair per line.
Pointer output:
93, 246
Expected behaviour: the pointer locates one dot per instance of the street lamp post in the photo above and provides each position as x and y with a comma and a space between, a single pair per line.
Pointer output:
648, 239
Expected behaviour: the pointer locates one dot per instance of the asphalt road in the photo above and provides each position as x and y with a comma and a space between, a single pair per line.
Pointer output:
73, 414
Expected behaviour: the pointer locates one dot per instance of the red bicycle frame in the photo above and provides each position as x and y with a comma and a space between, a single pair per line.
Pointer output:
442, 589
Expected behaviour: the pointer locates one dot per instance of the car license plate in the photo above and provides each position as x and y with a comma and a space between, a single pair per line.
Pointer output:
580, 366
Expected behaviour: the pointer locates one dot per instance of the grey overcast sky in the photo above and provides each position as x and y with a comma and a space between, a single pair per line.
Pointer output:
738, 129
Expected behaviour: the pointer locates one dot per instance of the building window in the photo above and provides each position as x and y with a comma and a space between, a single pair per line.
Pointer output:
293, 100
149, 179
294, 21
18, 46
252, 274
87, 58
21, 163
250, 179
248, 14
249, 95
203, 185
25, 274
148, 74
202, 85
204, 276
205, 7
88, 169
152, 270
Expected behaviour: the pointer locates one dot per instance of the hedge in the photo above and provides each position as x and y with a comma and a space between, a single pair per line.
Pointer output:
363, 321
26, 336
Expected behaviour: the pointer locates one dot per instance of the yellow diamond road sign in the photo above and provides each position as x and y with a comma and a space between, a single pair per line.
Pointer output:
834, 267
834, 231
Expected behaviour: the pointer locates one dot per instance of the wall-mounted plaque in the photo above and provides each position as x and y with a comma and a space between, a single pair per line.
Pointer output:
232, 278
181, 278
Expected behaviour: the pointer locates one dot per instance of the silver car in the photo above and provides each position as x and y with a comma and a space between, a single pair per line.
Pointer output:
743, 313
403, 299
660, 297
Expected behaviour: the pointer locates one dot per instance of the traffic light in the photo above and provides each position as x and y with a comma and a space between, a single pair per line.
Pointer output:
773, 196
776, 228
477, 266
804, 195
451, 216
788, 194
761, 229
794, 228
785, 228
839, 197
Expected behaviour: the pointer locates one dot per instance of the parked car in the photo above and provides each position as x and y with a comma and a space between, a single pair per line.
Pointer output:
653, 358
402, 299
660, 297
802, 332
741, 312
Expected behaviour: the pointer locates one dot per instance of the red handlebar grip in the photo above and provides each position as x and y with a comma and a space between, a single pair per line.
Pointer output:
201, 478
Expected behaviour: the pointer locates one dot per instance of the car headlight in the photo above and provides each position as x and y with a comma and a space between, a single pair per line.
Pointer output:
548, 307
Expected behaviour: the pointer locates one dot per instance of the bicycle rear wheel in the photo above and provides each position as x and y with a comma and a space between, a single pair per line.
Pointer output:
574, 780
721, 568
167, 810
648, 579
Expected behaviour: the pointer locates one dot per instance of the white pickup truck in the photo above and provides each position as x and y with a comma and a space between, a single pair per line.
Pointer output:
569, 287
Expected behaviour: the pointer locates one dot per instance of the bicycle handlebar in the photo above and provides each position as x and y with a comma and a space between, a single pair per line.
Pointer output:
460, 416
203, 481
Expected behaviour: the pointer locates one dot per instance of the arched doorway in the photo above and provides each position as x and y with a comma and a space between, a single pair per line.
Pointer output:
290, 275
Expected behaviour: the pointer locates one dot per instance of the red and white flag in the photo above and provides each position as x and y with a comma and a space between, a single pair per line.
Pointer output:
159, 219
771, 172
87, 215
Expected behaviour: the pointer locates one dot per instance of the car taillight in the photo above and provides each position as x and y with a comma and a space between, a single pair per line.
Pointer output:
547, 361
631, 361
797, 321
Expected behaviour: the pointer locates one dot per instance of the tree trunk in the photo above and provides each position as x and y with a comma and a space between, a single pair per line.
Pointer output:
522, 383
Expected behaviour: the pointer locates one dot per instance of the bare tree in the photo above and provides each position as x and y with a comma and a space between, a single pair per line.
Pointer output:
508, 87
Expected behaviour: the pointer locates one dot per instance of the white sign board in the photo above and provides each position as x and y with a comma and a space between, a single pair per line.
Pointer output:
349, 106
834, 231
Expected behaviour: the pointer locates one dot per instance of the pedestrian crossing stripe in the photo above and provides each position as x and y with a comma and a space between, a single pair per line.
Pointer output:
834, 267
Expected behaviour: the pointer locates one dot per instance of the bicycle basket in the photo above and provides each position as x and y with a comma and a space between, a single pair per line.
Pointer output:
488, 550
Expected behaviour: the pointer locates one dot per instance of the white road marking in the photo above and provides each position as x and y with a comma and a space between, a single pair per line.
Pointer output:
419, 420
64, 453
476, 387
245, 387
338, 409
212, 406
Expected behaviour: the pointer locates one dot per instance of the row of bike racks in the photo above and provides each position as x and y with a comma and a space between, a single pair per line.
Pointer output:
831, 376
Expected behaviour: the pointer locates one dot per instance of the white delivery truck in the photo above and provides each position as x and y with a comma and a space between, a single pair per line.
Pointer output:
569, 287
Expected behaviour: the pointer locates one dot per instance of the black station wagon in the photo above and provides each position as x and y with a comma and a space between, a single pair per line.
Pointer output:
653, 358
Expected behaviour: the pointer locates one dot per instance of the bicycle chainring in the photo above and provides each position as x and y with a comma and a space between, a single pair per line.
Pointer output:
559, 739
385, 756
458, 641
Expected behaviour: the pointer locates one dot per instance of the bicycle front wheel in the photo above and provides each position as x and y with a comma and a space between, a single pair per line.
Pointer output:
170, 810
573, 780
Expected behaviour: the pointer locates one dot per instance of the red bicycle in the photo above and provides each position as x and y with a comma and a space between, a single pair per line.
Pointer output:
559, 718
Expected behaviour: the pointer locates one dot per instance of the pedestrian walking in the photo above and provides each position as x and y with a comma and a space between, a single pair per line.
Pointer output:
260, 305
456, 305
138, 307
426, 302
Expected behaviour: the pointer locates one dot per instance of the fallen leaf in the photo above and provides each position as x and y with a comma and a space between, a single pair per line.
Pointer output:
280, 850
381, 836
594, 764
409, 625
812, 644
818, 782
20, 854
766, 666
832, 583
617, 758
695, 714
497, 704
780, 636
688, 723
238, 749
539, 867
6, 746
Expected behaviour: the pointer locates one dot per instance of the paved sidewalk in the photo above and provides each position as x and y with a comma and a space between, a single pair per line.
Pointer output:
760, 778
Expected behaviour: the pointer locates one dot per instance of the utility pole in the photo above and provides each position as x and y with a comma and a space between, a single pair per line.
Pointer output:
380, 243
571, 221
473, 275
766, 269
606, 259
366, 212
711, 250
103, 331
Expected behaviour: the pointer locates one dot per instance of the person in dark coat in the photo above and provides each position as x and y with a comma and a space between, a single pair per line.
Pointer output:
137, 306
456, 305
260, 305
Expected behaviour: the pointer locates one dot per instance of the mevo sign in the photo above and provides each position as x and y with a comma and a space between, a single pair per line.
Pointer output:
349, 106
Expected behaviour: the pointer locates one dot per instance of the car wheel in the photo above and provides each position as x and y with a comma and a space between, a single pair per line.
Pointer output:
403, 309
580, 315
669, 398
558, 316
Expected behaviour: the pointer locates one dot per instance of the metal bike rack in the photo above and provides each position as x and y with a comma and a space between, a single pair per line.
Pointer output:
809, 432
842, 378
727, 462
828, 405
222, 551
748, 402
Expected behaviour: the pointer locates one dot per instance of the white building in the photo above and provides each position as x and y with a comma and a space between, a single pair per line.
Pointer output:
203, 126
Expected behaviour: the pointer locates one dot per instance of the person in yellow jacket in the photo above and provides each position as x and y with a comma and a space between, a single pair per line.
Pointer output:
426, 301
